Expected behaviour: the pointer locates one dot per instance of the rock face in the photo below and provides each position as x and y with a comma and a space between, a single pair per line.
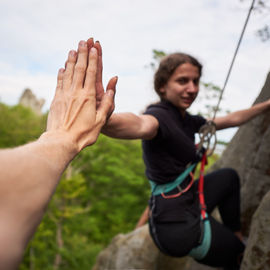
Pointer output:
135, 250
257, 255
249, 154
29, 100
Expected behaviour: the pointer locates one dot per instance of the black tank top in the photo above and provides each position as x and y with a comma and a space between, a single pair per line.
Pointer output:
167, 155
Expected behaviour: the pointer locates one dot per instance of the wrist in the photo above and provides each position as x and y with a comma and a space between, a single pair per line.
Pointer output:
62, 143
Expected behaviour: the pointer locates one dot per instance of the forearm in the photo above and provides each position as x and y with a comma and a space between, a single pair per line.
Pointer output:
144, 218
30, 173
29, 176
130, 126
240, 117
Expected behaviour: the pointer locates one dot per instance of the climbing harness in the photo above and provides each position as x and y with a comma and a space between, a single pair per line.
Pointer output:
165, 188
201, 250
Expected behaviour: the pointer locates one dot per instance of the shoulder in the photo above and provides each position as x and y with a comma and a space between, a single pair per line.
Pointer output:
159, 110
155, 107
196, 120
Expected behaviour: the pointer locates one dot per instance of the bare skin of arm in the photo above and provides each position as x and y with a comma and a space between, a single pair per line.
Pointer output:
144, 218
131, 126
29, 174
123, 125
240, 117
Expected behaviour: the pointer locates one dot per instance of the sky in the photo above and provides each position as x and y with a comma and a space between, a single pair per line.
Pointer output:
37, 35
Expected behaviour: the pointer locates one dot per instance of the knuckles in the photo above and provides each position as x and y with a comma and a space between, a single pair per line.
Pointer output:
80, 68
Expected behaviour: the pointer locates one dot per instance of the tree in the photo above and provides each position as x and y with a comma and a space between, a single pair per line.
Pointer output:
19, 125
92, 203
262, 7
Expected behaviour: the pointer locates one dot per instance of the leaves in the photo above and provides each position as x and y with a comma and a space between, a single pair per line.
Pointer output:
19, 125
102, 193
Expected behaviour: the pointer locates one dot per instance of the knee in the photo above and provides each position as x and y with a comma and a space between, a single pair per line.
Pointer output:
232, 177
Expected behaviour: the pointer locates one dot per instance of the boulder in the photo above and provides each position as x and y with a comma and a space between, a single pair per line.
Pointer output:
29, 100
257, 254
136, 250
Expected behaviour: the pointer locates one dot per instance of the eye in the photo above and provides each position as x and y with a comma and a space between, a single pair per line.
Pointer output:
196, 81
183, 80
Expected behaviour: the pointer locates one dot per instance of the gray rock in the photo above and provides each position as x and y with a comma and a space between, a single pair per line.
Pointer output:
29, 100
136, 250
257, 254
249, 153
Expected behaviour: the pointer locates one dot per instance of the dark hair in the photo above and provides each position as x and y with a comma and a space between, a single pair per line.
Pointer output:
168, 65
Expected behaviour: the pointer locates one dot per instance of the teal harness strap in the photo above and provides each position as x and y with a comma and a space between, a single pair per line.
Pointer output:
159, 189
201, 250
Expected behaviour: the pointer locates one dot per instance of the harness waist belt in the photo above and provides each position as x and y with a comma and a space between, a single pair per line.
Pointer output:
158, 189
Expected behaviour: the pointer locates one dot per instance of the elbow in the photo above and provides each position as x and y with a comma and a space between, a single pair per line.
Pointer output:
148, 132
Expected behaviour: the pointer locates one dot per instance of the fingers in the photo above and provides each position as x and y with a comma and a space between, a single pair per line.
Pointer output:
80, 67
60, 77
112, 84
105, 108
99, 84
90, 79
107, 103
69, 70
90, 43
100, 64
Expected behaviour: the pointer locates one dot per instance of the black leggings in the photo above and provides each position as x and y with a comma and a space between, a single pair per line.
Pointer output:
222, 190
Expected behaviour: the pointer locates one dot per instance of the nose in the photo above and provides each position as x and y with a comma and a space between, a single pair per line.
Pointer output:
192, 87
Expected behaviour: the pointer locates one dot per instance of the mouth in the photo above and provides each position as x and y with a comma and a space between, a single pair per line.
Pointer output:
188, 100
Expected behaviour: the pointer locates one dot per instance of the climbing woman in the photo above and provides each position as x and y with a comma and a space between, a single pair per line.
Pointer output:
167, 131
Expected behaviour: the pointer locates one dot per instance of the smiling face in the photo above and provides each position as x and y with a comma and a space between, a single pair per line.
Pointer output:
182, 87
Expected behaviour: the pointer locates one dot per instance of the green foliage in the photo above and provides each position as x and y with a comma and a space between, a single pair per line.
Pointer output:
209, 96
262, 7
157, 56
114, 173
102, 193
19, 125
210, 161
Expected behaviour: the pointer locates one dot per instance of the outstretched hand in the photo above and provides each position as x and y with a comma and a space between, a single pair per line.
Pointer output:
81, 107
99, 84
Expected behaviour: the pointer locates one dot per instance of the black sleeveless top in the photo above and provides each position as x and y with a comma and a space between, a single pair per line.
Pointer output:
167, 155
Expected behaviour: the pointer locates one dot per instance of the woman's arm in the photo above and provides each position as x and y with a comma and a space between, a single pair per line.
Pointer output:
144, 218
131, 126
29, 174
240, 117
123, 125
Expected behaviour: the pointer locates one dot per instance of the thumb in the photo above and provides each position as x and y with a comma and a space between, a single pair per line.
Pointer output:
112, 84
107, 103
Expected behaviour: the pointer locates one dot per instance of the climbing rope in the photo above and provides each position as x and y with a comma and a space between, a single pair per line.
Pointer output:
207, 132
